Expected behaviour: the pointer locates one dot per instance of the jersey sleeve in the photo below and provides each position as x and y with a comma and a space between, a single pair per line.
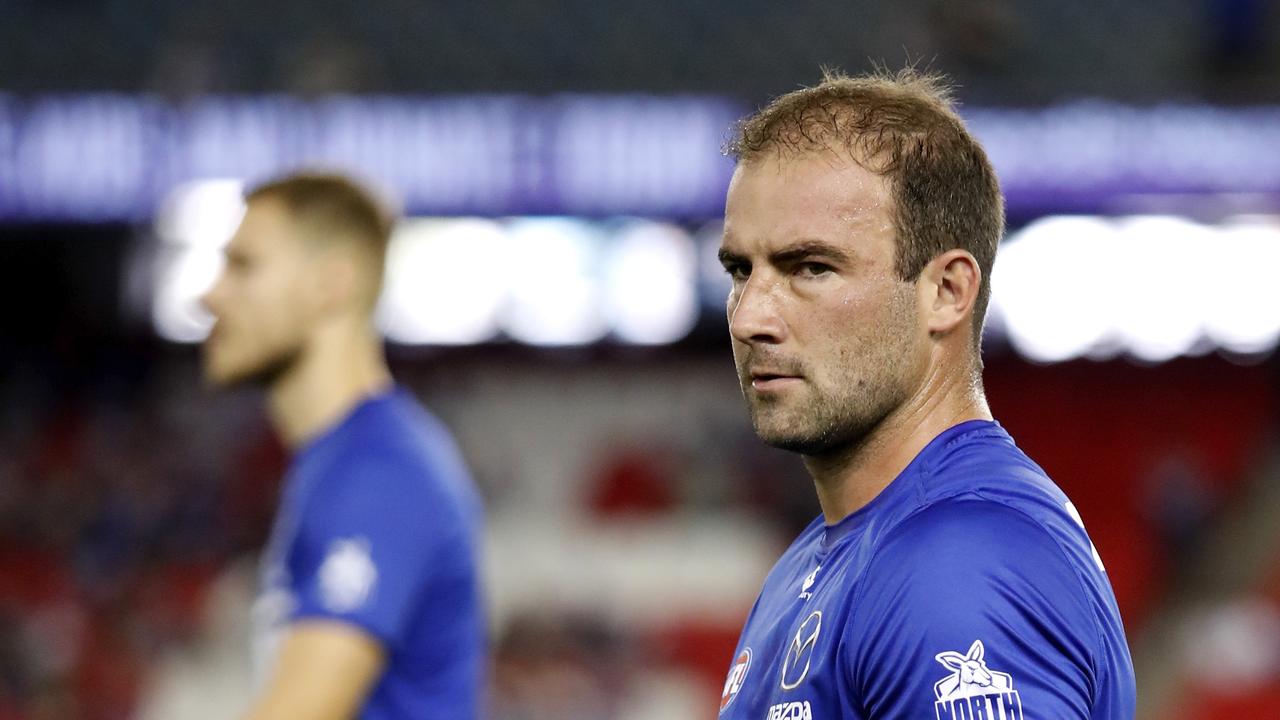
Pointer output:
970, 609
373, 540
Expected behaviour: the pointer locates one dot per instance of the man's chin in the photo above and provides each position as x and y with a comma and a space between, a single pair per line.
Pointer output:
799, 444
795, 431
223, 378
262, 373
224, 375
777, 432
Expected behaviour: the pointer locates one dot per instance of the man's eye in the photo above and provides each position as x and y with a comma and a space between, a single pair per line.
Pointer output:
813, 269
737, 272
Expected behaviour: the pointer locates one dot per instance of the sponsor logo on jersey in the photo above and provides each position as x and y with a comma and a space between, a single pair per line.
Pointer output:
808, 583
737, 676
800, 653
347, 576
973, 691
790, 711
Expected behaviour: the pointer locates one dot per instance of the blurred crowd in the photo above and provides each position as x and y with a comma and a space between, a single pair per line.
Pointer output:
632, 515
122, 507
115, 515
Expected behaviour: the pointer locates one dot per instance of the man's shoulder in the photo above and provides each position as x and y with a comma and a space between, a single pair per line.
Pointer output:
395, 450
972, 556
395, 425
989, 551
986, 465
972, 485
981, 503
964, 571
979, 527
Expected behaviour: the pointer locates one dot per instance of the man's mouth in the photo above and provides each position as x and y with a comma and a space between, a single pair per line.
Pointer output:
764, 381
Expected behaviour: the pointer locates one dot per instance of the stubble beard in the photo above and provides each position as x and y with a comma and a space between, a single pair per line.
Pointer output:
266, 372
837, 413
827, 420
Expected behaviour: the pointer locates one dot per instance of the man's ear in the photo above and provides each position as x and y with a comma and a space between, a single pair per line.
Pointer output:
337, 279
948, 289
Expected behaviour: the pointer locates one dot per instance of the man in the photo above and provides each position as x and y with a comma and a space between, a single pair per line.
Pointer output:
948, 577
370, 602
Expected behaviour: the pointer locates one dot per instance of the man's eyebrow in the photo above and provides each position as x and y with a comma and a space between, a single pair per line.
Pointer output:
728, 257
809, 248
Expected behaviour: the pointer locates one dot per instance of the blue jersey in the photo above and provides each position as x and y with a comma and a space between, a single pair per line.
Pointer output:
378, 527
967, 589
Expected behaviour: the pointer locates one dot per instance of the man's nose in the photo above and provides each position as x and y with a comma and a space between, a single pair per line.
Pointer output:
211, 299
754, 313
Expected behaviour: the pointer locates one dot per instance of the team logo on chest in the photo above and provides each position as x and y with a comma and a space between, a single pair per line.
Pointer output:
737, 676
808, 583
800, 653
973, 690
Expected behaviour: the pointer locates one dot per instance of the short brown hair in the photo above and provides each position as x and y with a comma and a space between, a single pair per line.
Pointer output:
334, 207
901, 126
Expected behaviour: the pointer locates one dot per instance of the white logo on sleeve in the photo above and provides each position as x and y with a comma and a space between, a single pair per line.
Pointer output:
347, 575
1070, 507
973, 690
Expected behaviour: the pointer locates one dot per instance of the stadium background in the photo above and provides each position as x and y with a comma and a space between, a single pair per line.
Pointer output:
555, 301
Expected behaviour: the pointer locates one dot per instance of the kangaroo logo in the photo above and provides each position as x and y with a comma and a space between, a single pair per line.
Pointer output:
973, 690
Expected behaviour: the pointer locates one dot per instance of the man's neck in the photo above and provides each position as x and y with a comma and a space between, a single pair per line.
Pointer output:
849, 478
341, 367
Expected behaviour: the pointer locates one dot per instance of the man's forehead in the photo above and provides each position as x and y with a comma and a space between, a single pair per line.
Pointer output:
788, 200
265, 224
247, 237
815, 181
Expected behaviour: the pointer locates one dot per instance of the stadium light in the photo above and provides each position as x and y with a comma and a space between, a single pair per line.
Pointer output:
650, 297
1160, 297
193, 224
1052, 289
555, 294
446, 282
1155, 287
1242, 312
1064, 287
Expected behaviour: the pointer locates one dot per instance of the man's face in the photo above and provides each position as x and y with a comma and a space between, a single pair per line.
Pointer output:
825, 334
261, 300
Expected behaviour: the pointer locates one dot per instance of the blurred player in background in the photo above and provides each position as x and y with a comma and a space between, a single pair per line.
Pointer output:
370, 605
947, 577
